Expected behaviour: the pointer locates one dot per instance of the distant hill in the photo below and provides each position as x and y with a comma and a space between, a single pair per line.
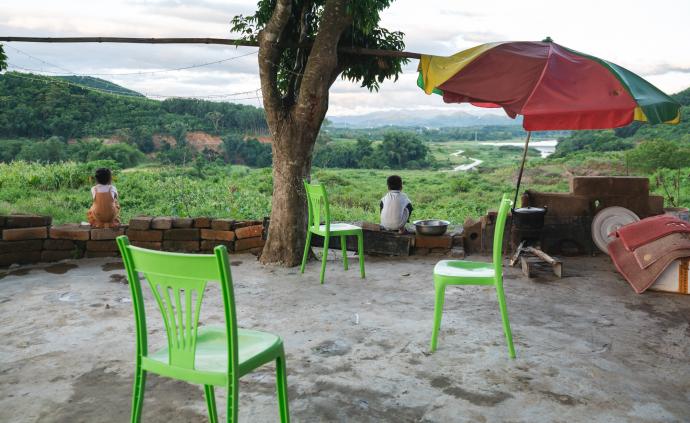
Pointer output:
36, 106
422, 118
683, 97
100, 84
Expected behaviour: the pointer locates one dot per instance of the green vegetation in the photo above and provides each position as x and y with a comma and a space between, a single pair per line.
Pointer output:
628, 137
468, 133
398, 150
62, 189
99, 84
36, 106
49, 174
3, 59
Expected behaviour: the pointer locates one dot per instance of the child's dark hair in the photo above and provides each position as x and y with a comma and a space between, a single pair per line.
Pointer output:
103, 176
394, 183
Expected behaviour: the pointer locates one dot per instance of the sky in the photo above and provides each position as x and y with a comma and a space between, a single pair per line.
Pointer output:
650, 41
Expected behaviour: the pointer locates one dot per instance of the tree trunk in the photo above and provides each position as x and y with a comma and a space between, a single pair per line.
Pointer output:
294, 123
291, 165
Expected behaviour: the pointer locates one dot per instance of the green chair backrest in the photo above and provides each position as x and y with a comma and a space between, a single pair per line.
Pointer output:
178, 282
317, 199
498, 235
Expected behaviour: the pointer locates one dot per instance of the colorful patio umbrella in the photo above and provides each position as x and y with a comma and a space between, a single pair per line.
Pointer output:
551, 86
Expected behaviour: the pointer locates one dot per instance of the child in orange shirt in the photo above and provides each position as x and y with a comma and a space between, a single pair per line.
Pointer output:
105, 211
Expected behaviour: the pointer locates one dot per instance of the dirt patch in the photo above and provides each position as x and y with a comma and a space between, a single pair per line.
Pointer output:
18, 272
667, 319
113, 265
332, 348
235, 263
561, 398
165, 400
60, 268
335, 402
118, 278
488, 399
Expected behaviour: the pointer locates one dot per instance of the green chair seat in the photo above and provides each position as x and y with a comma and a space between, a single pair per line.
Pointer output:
465, 269
317, 199
254, 349
340, 228
460, 272
206, 355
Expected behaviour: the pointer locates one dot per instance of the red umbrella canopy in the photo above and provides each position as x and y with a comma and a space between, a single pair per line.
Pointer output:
551, 86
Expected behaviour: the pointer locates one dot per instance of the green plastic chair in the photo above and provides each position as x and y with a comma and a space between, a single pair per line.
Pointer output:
460, 272
316, 200
196, 354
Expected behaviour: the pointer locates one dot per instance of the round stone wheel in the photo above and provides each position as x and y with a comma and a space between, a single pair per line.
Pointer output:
607, 222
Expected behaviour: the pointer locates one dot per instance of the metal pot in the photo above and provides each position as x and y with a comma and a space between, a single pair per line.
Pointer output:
529, 218
431, 226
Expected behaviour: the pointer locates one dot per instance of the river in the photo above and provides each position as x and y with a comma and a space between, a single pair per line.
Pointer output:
545, 147
468, 166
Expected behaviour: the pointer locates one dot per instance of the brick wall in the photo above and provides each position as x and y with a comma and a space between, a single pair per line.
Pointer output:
31, 239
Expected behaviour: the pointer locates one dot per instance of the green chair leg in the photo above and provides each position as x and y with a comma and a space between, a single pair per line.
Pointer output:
211, 403
307, 245
343, 246
438, 313
282, 388
360, 252
325, 256
231, 406
138, 394
504, 317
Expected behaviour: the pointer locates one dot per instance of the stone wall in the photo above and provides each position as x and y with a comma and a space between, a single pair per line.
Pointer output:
31, 239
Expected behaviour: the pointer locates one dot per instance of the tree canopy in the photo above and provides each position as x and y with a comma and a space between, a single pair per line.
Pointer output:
3, 59
304, 20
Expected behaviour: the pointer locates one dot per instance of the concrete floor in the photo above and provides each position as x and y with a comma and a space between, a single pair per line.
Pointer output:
588, 348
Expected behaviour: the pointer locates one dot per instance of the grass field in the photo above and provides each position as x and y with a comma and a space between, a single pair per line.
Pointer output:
62, 190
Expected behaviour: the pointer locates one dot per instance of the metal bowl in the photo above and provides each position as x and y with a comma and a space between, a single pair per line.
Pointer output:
431, 226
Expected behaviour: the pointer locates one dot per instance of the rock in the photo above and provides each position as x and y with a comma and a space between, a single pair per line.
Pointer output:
184, 246
248, 243
223, 224
189, 234
161, 223
25, 221
71, 231
249, 231
140, 223
20, 234
202, 222
182, 222
212, 234
106, 233
146, 236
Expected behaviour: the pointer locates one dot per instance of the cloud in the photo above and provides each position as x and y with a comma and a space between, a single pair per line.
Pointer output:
199, 11
667, 68
438, 27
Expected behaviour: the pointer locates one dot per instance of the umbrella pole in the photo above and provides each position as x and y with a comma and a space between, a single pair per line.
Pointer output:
522, 168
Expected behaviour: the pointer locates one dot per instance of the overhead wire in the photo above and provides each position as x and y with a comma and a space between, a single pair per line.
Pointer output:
193, 66
228, 96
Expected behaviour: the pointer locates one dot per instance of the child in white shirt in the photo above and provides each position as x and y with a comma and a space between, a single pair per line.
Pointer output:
396, 208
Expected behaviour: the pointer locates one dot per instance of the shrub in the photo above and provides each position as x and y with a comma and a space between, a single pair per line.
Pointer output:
125, 155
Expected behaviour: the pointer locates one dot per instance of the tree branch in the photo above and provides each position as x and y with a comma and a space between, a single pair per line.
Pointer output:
295, 79
323, 60
217, 41
269, 57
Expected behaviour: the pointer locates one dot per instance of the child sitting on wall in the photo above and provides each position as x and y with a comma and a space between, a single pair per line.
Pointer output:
105, 211
396, 208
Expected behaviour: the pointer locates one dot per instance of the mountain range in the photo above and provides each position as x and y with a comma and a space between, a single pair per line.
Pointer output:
422, 118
